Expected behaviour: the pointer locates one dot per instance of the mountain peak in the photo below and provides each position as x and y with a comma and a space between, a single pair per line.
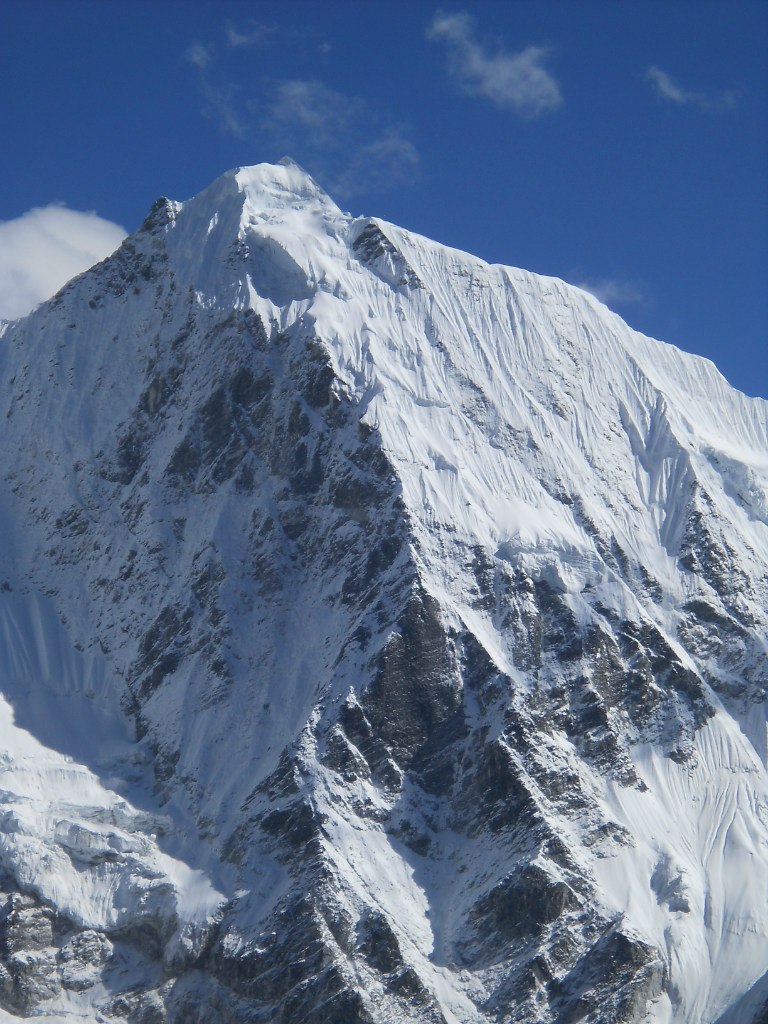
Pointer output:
268, 187
436, 596
251, 234
288, 161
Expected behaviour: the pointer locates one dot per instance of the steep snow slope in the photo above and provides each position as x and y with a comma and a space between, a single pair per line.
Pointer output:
432, 597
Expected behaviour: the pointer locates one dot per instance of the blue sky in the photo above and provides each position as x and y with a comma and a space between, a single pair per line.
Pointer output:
619, 145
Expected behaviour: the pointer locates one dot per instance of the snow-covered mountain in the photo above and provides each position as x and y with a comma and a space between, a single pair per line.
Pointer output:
384, 640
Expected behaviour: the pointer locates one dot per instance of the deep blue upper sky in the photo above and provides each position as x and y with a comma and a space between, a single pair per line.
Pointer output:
622, 145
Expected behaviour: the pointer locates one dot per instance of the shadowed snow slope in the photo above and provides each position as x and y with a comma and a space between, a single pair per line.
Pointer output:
384, 640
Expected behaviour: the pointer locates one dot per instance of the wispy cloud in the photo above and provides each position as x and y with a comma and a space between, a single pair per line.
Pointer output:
615, 293
348, 146
670, 89
310, 107
518, 81
388, 162
220, 105
45, 247
252, 34
198, 55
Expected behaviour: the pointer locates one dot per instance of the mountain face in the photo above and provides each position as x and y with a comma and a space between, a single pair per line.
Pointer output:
384, 640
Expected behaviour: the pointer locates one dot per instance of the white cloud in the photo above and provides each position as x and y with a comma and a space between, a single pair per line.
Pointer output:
198, 55
45, 247
518, 81
670, 89
220, 105
253, 35
387, 162
321, 114
614, 292
338, 138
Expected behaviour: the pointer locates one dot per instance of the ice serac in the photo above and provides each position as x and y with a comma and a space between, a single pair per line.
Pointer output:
384, 640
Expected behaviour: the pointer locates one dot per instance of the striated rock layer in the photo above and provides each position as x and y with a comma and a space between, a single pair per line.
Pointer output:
384, 640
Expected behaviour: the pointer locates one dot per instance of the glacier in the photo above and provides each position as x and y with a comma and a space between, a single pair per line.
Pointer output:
384, 640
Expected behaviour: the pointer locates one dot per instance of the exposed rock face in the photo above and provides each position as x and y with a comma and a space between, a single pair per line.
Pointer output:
385, 640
